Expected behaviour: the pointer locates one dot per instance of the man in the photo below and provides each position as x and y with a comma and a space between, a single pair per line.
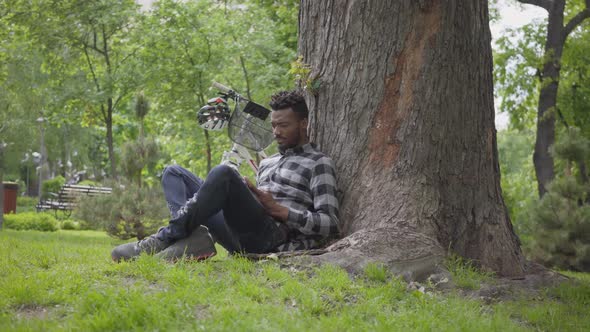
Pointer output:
294, 206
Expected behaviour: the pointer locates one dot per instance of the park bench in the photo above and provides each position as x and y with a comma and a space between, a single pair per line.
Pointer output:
67, 198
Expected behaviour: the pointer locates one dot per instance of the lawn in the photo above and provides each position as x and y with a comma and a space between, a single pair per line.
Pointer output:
65, 280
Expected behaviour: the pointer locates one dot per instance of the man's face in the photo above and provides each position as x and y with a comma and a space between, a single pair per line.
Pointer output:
288, 128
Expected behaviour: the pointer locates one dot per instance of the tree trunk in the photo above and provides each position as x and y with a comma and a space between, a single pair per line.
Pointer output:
548, 98
405, 108
208, 151
110, 144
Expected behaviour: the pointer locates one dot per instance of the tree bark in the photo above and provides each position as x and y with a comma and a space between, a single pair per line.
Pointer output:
405, 108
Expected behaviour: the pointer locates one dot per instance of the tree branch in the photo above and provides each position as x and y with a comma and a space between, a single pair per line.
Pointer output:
91, 68
545, 4
576, 20
104, 113
85, 44
105, 46
119, 99
130, 54
562, 118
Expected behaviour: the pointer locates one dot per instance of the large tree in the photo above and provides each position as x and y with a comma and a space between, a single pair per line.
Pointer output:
402, 99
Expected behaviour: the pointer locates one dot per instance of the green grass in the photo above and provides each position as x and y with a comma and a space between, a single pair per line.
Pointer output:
65, 280
465, 274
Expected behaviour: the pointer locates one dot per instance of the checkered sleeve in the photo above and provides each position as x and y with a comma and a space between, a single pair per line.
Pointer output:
323, 220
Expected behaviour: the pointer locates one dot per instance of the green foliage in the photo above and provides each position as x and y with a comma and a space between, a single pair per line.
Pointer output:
301, 75
53, 64
69, 225
20, 96
554, 229
65, 281
562, 216
193, 43
26, 202
52, 186
130, 211
86, 61
464, 272
515, 149
137, 155
517, 60
142, 106
547, 227
562, 238
44, 222
89, 183
572, 146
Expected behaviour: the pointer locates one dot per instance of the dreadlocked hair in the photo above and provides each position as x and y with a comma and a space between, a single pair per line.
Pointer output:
289, 99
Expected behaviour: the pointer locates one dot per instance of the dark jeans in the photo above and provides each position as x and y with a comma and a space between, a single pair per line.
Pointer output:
224, 204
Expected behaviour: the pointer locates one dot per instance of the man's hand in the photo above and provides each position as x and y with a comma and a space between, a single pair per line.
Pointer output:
276, 210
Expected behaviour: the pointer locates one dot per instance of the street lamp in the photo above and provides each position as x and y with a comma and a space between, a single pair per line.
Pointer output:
40, 121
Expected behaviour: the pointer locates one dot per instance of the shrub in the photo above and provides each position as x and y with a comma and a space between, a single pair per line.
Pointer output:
562, 216
26, 204
31, 221
137, 155
563, 237
130, 211
52, 186
89, 183
69, 224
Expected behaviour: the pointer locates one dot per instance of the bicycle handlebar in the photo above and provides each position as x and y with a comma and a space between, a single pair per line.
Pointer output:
222, 87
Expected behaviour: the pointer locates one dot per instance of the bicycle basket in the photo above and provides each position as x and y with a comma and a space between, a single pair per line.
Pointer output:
249, 126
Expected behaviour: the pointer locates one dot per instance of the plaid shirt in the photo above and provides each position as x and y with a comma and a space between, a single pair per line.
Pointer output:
303, 180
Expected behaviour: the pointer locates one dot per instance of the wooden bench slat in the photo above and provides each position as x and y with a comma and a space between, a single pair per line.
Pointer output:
67, 197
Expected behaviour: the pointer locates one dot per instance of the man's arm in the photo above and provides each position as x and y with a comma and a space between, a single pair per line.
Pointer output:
324, 219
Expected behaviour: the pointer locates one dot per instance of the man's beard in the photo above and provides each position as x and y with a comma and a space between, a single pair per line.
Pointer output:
285, 147
289, 144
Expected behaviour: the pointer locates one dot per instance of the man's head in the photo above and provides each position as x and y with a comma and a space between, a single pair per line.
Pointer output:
289, 119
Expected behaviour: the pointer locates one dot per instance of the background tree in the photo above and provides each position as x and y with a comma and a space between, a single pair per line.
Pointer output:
179, 43
404, 104
562, 21
551, 228
88, 38
144, 150
19, 71
187, 46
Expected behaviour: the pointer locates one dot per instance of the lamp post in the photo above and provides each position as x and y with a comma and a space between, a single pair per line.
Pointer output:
40, 121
